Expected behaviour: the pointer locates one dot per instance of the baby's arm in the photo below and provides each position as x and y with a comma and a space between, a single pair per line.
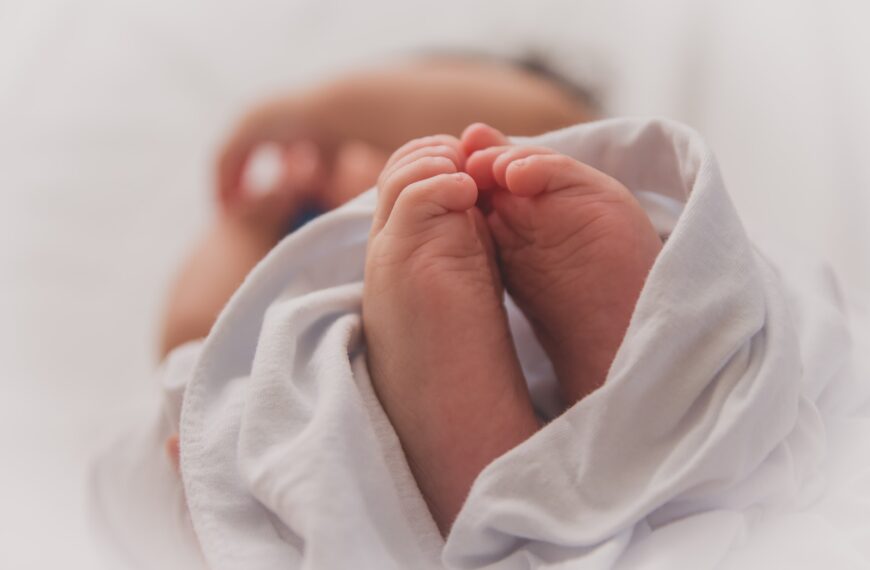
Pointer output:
211, 274
238, 238
386, 107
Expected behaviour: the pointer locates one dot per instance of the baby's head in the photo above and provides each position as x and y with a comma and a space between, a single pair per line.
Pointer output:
440, 94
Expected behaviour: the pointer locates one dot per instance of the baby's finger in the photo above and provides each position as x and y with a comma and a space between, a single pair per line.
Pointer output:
232, 161
303, 170
267, 124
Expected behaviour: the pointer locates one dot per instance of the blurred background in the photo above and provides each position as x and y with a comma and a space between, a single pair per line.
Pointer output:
111, 113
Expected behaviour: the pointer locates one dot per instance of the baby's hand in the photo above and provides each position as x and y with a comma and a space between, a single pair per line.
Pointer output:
284, 125
279, 185
287, 153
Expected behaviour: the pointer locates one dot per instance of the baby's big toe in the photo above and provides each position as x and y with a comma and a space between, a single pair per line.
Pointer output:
533, 171
479, 136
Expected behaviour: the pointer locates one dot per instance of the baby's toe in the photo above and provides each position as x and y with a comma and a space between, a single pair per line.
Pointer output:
393, 186
418, 160
479, 166
450, 152
489, 166
431, 142
529, 171
479, 136
427, 199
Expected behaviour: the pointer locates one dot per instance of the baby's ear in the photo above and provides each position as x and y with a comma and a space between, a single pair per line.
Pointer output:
478, 136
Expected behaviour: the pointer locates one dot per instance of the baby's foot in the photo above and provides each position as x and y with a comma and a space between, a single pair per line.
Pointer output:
575, 248
439, 350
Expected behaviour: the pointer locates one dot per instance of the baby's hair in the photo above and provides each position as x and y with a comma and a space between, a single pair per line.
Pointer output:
533, 63
536, 64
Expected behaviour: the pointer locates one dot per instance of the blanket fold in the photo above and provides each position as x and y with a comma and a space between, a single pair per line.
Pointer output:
713, 413
708, 365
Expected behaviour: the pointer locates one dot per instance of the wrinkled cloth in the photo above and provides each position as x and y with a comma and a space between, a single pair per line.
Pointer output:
732, 430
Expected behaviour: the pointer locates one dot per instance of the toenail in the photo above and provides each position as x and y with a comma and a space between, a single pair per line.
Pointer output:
520, 162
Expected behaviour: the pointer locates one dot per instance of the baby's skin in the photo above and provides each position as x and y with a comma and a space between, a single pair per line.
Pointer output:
439, 349
574, 246
341, 119
571, 245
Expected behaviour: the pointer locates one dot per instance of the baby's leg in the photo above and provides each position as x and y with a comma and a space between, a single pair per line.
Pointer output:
439, 349
575, 248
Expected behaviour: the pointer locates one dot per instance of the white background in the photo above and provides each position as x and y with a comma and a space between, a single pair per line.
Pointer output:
110, 112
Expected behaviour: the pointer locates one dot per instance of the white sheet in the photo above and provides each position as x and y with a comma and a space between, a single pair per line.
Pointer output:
136, 498
723, 436
110, 112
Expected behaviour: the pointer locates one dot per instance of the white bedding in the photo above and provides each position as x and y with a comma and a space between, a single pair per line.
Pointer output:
110, 112
732, 430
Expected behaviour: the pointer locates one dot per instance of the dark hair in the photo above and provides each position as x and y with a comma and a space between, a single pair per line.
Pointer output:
532, 63
537, 65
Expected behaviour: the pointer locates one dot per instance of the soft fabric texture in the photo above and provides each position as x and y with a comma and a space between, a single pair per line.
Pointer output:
137, 501
732, 430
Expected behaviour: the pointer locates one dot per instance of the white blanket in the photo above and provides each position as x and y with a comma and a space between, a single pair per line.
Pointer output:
732, 429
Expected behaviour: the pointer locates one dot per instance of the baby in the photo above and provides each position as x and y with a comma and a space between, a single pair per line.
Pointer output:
335, 139
460, 219
371, 385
